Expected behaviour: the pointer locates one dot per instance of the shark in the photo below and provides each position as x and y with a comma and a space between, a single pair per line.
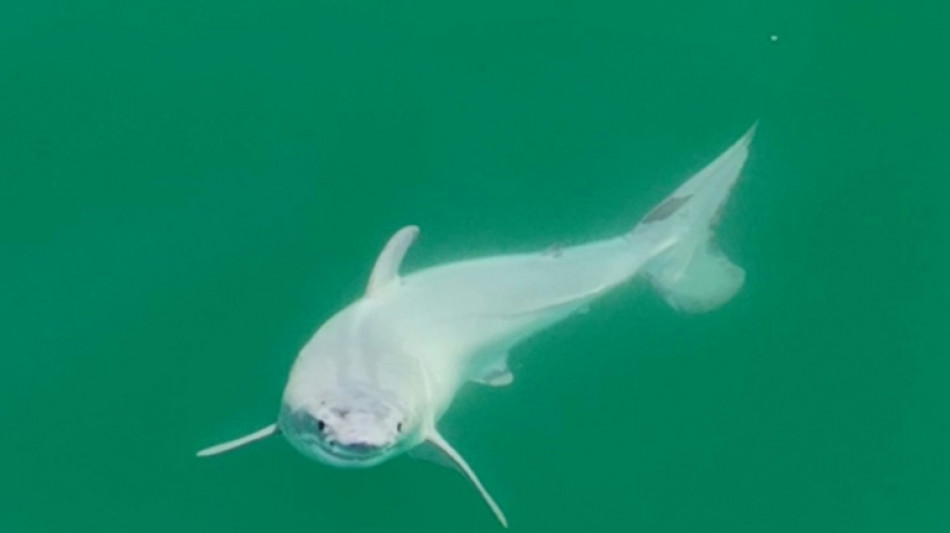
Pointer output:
374, 380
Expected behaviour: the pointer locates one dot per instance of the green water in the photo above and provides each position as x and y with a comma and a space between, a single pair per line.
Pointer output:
188, 189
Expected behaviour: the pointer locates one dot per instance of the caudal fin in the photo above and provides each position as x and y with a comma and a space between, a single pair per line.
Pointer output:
693, 275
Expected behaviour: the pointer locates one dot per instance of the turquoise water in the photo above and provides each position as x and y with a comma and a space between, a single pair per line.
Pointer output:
188, 189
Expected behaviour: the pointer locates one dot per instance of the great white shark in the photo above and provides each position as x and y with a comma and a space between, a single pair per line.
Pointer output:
375, 378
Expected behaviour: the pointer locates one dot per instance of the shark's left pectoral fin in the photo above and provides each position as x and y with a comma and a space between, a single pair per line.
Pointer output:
262, 433
386, 269
438, 450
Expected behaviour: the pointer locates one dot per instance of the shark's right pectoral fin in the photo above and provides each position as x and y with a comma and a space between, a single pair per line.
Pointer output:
262, 433
439, 451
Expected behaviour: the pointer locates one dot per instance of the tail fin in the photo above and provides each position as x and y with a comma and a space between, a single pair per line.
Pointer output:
693, 275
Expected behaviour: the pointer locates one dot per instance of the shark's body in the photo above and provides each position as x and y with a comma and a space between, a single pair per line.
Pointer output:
375, 378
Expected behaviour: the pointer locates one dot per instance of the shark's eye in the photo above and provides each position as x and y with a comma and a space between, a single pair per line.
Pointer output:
399, 427
321, 425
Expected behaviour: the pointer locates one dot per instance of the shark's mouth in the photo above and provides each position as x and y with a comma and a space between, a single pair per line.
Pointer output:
341, 438
355, 454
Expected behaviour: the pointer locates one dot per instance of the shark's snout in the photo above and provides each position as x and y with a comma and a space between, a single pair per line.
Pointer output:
344, 435
357, 433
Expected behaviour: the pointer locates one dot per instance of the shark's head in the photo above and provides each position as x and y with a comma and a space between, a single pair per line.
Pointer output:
349, 428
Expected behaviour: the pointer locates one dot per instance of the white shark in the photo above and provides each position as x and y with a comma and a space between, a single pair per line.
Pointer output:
375, 378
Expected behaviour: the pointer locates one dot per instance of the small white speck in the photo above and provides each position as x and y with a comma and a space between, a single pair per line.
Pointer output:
774, 38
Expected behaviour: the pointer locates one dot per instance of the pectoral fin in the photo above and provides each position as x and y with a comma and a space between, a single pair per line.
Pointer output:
262, 433
437, 449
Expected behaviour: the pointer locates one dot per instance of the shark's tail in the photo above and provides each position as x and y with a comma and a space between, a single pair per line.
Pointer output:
693, 275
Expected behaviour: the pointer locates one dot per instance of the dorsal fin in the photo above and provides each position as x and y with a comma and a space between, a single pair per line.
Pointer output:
450, 455
386, 269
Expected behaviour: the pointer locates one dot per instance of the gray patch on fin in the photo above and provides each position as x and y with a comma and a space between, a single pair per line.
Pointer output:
666, 209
